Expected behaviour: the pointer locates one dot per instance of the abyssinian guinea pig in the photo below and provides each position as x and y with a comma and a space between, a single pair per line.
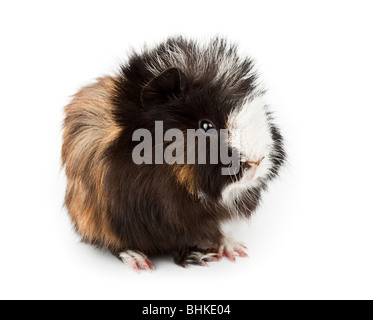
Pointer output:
137, 209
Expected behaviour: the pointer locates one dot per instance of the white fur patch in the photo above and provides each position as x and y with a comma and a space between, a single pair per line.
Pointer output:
251, 135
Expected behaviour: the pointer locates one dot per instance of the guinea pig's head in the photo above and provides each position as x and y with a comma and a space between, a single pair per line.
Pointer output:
211, 106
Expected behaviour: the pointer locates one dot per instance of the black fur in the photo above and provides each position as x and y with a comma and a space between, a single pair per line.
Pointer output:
177, 82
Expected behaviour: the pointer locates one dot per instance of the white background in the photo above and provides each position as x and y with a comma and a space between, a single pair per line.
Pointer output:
313, 236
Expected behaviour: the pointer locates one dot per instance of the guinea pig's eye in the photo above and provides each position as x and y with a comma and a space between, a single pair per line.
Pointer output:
206, 125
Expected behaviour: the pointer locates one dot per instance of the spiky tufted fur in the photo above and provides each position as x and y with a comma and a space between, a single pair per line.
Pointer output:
118, 205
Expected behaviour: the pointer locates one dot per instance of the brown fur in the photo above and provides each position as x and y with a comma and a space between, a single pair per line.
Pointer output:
89, 130
186, 177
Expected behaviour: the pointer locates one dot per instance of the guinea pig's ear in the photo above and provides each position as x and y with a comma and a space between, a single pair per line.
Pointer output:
163, 88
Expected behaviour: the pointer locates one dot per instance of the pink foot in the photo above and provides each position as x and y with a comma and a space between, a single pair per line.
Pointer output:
231, 250
136, 260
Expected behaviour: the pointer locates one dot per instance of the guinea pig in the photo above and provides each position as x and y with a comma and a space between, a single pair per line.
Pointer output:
140, 209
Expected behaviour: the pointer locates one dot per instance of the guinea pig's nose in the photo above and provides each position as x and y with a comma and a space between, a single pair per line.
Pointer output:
255, 163
252, 166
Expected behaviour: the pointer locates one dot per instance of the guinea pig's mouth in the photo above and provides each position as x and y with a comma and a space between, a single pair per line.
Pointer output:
250, 168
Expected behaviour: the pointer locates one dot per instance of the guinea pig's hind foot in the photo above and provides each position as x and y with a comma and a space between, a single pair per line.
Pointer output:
136, 260
231, 249
194, 256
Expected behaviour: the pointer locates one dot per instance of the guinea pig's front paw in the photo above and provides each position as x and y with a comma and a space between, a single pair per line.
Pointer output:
200, 258
136, 260
231, 249
195, 256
